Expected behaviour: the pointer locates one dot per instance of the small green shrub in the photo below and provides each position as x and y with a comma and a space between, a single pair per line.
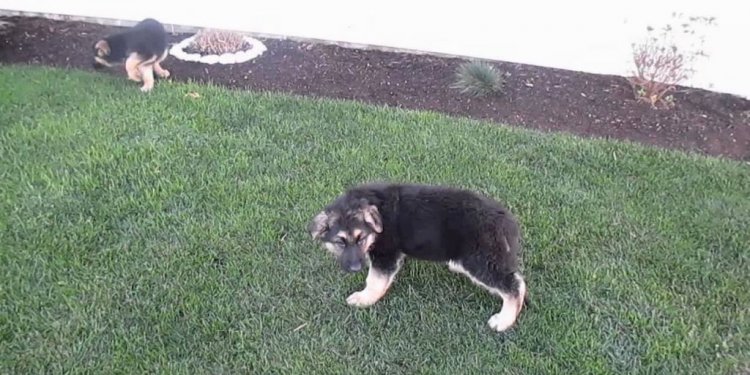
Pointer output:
478, 78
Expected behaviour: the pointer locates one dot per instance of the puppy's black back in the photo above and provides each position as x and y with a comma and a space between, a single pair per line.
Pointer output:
441, 223
147, 38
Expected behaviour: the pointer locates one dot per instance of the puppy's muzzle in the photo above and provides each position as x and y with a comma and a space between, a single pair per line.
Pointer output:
354, 267
351, 259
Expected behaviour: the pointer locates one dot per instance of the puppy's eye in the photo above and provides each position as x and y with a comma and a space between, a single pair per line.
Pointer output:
340, 241
361, 240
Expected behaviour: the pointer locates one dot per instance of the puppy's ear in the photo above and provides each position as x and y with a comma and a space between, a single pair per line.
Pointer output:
372, 218
102, 48
318, 225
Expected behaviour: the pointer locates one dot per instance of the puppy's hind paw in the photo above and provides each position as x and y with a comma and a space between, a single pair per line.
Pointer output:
135, 77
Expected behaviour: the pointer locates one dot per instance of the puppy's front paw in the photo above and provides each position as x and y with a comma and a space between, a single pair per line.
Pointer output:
361, 299
500, 322
163, 73
146, 88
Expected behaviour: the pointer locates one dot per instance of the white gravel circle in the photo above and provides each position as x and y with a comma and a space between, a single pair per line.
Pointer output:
178, 51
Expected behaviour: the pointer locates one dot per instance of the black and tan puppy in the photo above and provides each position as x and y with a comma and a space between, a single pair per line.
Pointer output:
142, 48
381, 224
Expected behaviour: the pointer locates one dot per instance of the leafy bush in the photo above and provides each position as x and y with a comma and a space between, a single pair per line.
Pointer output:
660, 65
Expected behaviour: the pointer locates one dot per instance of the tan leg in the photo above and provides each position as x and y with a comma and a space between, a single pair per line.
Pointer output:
147, 72
512, 303
131, 66
376, 285
161, 72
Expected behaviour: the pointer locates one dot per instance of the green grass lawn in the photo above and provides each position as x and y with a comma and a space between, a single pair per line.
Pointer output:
166, 233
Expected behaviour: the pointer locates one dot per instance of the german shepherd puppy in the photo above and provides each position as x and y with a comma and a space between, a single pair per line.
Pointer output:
381, 224
142, 48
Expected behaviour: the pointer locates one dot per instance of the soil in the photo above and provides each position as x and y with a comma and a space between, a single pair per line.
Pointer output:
588, 105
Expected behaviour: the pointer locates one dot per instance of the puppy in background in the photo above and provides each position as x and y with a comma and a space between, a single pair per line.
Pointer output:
142, 48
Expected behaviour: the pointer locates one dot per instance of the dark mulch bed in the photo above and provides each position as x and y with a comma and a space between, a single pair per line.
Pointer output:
536, 97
